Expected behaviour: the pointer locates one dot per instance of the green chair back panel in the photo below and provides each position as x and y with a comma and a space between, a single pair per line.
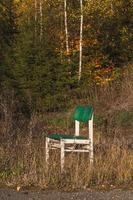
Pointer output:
83, 113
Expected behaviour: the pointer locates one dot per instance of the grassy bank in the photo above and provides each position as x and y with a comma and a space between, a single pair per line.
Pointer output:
22, 148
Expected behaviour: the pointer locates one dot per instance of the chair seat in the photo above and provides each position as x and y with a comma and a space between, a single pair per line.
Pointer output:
57, 136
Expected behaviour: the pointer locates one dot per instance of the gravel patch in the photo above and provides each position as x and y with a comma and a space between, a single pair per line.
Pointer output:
9, 194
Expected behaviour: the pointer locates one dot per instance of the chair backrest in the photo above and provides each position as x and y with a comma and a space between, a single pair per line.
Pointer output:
83, 113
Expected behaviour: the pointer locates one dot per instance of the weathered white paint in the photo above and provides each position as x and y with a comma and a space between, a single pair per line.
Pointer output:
47, 150
62, 155
91, 139
78, 150
76, 128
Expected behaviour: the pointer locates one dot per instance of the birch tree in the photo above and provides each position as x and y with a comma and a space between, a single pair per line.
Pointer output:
41, 19
35, 4
80, 41
112, 7
66, 27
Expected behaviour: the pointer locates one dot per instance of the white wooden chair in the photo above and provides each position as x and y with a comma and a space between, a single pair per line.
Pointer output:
74, 143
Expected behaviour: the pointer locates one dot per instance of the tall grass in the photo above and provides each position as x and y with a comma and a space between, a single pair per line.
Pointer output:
25, 166
22, 143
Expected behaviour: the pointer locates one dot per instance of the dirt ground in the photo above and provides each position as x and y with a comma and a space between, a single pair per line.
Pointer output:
9, 194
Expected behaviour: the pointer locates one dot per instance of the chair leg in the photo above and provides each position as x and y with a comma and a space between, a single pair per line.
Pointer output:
91, 153
62, 155
91, 141
91, 156
47, 151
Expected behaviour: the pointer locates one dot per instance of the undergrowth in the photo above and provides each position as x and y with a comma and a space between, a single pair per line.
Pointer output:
22, 143
24, 165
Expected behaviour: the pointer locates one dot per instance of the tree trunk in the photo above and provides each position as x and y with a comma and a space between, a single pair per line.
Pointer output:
112, 8
41, 19
66, 26
35, 7
80, 42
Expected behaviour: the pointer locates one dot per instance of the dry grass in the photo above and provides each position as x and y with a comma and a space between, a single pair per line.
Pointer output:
24, 165
22, 147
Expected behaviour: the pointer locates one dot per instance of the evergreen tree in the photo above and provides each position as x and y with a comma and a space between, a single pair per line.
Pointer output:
7, 36
41, 62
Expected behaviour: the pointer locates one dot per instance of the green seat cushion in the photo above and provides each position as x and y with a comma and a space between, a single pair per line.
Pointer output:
57, 136
83, 113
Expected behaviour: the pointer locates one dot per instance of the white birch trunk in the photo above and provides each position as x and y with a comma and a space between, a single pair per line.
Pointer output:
112, 8
41, 19
35, 7
80, 42
66, 26
62, 31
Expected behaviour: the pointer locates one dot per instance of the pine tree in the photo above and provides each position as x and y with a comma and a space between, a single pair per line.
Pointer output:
8, 30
